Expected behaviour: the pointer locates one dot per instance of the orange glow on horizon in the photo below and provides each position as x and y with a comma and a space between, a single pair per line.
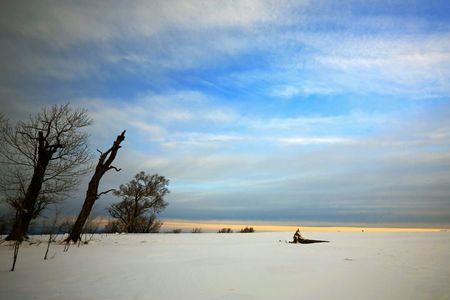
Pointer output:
212, 226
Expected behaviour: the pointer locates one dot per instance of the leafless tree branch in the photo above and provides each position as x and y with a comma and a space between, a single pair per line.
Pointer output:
105, 192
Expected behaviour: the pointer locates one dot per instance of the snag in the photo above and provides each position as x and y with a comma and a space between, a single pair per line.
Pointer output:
298, 239
104, 164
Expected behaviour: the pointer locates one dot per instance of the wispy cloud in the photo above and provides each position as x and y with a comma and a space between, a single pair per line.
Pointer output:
251, 108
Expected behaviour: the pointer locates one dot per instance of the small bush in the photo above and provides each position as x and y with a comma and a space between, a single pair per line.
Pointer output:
247, 230
178, 230
66, 225
225, 230
196, 230
149, 225
113, 227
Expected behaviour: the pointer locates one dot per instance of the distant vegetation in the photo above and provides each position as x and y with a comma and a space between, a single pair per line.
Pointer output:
196, 230
247, 230
225, 230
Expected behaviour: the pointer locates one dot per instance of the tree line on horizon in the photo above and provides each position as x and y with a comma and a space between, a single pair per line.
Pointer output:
42, 160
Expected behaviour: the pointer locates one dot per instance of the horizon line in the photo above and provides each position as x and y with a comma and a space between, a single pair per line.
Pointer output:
214, 225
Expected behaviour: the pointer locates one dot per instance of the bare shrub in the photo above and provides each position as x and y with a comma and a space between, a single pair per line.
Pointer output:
143, 226
51, 229
90, 228
247, 230
113, 227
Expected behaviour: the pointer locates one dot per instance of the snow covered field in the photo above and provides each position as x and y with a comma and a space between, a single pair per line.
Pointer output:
234, 266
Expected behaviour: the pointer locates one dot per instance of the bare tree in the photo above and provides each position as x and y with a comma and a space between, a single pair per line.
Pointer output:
42, 159
142, 199
104, 165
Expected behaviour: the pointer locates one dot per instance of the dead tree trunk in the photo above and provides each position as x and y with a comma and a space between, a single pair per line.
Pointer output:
27, 209
104, 165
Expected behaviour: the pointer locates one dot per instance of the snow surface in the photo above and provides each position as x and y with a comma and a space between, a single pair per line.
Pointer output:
234, 266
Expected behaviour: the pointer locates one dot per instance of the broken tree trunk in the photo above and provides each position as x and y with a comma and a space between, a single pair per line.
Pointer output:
306, 241
103, 165
298, 239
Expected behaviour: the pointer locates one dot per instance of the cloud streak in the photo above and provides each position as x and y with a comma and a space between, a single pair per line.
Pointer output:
254, 109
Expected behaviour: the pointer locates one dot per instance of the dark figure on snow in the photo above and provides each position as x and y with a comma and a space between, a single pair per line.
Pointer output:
297, 237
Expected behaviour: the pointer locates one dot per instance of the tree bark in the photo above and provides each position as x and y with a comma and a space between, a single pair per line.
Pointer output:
103, 165
27, 210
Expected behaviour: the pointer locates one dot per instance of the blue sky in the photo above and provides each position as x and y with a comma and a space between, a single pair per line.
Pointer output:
309, 111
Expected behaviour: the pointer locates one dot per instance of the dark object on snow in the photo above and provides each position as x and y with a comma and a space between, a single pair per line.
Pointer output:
306, 241
297, 236
298, 239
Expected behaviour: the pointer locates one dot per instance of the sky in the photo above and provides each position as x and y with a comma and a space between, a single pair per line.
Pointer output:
296, 111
